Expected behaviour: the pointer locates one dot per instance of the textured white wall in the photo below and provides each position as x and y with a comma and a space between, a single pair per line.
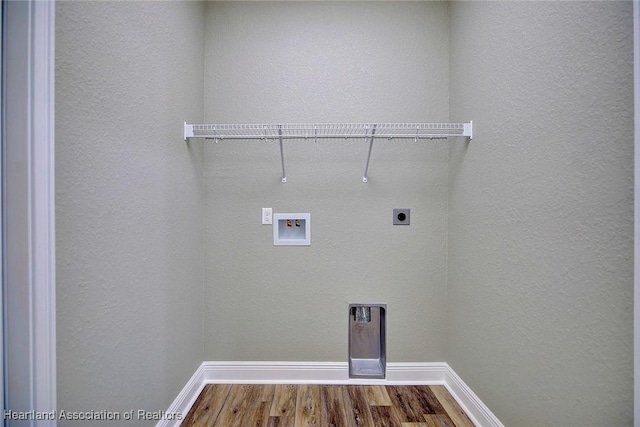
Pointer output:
325, 62
541, 211
129, 204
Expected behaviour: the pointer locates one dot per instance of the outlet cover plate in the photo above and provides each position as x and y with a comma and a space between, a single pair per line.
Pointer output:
267, 216
401, 216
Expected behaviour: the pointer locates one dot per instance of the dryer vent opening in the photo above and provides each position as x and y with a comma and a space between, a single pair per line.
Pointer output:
367, 341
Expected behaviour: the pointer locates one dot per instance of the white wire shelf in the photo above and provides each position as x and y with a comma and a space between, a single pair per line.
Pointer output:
366, 131
327, 130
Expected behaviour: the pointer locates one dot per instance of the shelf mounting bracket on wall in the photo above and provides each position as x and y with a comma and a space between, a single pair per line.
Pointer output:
284, 173
365, 178
366, 131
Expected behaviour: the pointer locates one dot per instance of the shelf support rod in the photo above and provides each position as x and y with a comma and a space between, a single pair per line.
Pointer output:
284, 174
366, 167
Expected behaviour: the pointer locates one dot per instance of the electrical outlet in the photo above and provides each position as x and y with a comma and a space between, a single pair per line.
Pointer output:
401, 216
267, 215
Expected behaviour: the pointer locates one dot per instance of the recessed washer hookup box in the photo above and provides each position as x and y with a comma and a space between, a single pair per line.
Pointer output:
292, 229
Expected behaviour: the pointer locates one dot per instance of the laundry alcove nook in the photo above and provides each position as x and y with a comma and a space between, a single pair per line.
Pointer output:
163, 262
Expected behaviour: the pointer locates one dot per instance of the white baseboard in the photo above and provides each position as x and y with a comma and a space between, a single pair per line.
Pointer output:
326, 373
185, 400
469, 401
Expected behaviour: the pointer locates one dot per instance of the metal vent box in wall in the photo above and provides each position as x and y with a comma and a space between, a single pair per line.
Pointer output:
367, 341
292, 229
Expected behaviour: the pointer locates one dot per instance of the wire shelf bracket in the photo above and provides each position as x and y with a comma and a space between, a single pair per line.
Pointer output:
365, 131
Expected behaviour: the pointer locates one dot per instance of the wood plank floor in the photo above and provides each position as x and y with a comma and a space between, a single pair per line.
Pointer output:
304, 405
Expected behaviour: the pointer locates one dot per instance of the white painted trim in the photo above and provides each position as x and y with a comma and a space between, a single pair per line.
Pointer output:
327, 373
469, 401
2, 214
317, 373
636, 281
185, 399
29, 207
275, 372
43, 206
